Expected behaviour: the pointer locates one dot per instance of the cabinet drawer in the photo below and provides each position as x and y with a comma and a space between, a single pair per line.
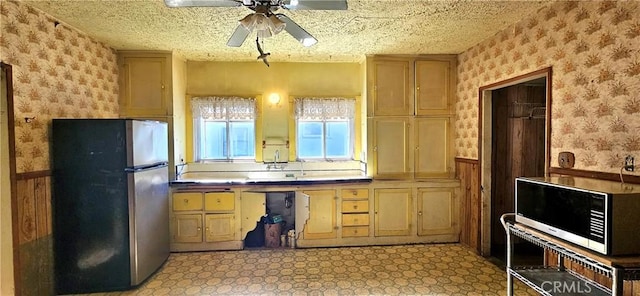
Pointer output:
187, 201
355, 206
355, 219
362, 193
219, 201
355, 231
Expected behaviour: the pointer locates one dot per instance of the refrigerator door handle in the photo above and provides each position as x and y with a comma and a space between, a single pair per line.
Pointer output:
146, 168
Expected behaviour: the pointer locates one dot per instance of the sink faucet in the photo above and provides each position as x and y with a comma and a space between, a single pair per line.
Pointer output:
276, 157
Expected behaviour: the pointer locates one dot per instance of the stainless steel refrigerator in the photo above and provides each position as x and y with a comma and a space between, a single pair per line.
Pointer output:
110, 203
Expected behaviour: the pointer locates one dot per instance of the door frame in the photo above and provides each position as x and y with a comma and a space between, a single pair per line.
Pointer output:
485, 145
8, 72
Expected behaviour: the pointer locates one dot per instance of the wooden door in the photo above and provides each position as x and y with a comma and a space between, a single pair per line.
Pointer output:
390, 148
219, 227
433, 155
392, 213
187, 228
390, 88
252, 207
433, 87
322, 215
143, 89
437, 211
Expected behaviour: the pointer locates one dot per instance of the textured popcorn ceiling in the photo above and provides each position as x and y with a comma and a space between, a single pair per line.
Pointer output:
367, 27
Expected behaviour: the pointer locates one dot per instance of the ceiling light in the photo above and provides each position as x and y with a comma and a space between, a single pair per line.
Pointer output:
265, 26
309, 41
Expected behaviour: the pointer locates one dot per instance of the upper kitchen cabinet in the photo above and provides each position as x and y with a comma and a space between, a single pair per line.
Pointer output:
435, 83
410, 85
389, 147
145, 83
389, 87
153, 86
433, 155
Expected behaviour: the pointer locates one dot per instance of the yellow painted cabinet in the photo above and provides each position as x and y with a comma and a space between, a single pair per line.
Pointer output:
219, 227
322, 215
389, 86
219, 201
392, 212
355, 212
187, 228
432, 155
390, 148
437, 211
433, 86
252, 207
145, 86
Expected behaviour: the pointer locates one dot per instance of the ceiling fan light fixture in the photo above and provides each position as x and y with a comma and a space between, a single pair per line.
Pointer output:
265, 26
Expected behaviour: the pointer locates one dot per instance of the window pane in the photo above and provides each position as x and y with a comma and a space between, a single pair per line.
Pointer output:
242, 139
214, 140
337, 139
310, 139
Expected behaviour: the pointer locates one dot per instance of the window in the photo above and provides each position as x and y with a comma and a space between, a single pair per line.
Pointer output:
324, 128
224, 128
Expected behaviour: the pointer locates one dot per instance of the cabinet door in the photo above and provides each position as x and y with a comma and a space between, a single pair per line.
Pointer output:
187, 228
390, 147
252, 207
322, 215
143, 89
432, 152
392, 212
433, 87
219, 227
437, 211
219, 201
390, 88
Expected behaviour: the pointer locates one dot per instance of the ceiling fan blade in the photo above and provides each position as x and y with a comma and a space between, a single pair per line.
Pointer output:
296, 31
202, 3
238, 37
316, 4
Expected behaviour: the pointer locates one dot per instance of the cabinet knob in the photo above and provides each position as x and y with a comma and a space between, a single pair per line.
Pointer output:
186, 200
355, 207
355, 192
218, 200
417, 88
420, 213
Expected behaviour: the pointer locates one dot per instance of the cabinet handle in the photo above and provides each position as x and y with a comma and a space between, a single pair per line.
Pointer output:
355, 231
186, 200
420, 213
162, 86
355, 207
199, 228
218, 200
418, 88
355, 192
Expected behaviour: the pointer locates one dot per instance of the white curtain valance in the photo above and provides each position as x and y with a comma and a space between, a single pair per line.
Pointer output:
228, 108
325, 108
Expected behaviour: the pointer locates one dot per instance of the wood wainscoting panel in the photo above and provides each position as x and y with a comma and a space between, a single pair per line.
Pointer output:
467, 173
34, 208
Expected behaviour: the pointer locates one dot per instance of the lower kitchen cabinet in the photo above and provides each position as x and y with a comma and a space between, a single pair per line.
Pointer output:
187, 228
437, 211
322, 215
219, 227
392, 212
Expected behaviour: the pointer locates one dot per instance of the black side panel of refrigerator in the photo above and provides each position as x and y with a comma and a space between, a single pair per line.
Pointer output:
90, 206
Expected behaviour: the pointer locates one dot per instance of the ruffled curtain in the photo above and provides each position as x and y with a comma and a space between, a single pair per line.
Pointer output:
324, 108
232, 108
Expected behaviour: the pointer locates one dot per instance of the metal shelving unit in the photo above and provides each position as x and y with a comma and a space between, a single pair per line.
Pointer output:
557, 280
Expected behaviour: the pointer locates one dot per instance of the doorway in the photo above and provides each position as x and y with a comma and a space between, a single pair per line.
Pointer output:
7, 177
515, 128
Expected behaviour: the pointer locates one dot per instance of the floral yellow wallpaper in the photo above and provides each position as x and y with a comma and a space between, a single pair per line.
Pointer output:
593, 48
58, 72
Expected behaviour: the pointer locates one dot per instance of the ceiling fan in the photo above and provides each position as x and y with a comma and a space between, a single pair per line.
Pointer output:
264, 19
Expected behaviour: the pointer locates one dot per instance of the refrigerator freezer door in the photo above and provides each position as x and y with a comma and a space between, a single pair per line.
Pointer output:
149, 221
148, 143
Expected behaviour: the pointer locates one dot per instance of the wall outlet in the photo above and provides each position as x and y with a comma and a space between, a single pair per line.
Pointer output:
628, 164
